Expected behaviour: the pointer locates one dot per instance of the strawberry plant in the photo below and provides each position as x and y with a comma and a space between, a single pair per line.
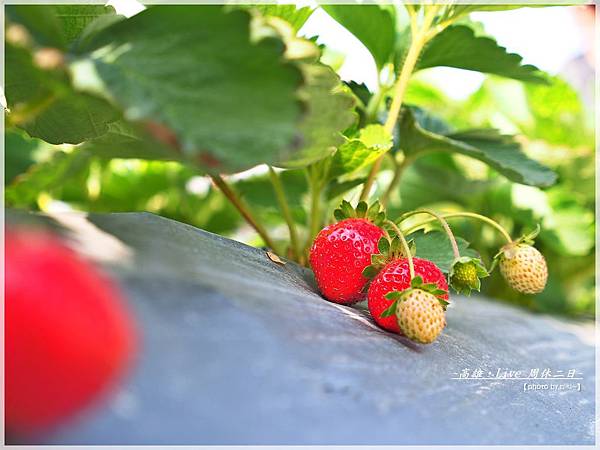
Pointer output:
228, 118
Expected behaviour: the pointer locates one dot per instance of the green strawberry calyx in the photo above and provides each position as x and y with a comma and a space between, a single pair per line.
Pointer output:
465, 274
374, 213
528, 238
415, 284
509, 250
390, 248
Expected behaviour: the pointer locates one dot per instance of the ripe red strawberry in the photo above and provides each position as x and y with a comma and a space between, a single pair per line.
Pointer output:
341, 251
395, 276
67, 334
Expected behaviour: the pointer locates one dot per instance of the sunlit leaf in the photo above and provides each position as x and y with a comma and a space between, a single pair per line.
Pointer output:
296, 17
458, 46
55, 25
329, 111
373, 25
231, 102
354, 154
501, 152
46, 176
44, 105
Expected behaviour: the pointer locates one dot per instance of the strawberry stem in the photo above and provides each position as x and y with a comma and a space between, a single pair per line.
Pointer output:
470, 215
420, 37
314, 219
243, 209
285, 211
405, 248
445, 225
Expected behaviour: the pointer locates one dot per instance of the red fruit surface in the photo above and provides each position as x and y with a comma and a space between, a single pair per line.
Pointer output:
395, 276
67, 335
338, 256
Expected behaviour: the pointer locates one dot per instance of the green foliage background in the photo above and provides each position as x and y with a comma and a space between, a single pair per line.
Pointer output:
242, 90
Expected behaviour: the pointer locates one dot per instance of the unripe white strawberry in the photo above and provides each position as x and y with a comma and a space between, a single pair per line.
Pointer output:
524, 268
420, 315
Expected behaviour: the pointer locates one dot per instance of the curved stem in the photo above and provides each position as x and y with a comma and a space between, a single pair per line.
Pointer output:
243, 209
285, 210
485, 219
405, 247
386, 234
419, 39
446, 227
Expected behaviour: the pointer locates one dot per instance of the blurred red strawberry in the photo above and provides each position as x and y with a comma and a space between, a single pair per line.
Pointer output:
67, 333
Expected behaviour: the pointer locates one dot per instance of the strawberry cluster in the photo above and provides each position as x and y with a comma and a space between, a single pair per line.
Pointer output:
366, 256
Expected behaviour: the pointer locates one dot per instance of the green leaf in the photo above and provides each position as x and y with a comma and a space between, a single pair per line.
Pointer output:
569, 231
56, 25
558, 115
360, 90
25, 83
373, 25
461, 10
458, 46
19, 153
375, 136
501, 152
566, 226
429, 122
46, 176
41, 22
504, 154
85, 39
126, 140
72, 119
296, 17
435, 246
553, 113
359, 152
329, 111
47, 107
232, 102
75, 18
435, 178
